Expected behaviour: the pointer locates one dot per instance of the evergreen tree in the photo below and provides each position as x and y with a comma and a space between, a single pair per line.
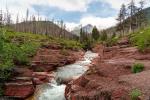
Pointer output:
132, 11
95, 33
121, 18
82, 34
1, 18
103, 35
141, 14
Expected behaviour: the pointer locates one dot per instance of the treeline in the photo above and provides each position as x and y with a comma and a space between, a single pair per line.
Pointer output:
36, 25
131, 17
96, 36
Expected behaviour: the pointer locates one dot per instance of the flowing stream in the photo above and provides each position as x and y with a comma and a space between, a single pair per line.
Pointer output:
54, 90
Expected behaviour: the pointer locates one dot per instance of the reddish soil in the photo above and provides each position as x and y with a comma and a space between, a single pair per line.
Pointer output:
110, 77
47, 59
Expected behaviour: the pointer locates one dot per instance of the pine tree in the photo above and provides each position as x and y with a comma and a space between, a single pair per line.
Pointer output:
1, 18
141, 14
81, 34
132, 11
121, 18
103, 35
95, 33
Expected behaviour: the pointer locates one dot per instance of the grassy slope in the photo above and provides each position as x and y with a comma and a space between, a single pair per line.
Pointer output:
141, 39
18, 48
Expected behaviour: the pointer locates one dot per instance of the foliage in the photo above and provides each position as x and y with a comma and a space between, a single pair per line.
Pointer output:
112, 40
85, 40
70, 44
88, 44
136, 68
95, 34
103, 36
135, 94
141, 39
16, 48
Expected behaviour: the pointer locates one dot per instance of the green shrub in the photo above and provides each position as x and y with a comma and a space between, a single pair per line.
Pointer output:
141, 39
103, 36
6, 69
135, 94
70, 44
136, 68
30, 48
112, 41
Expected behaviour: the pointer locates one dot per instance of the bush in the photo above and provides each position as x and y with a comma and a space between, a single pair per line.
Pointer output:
30, 48
136, 68
135, 94
112, 41
141, 39
103, 36
70, 44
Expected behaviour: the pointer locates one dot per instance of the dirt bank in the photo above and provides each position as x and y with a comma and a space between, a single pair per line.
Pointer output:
110, 77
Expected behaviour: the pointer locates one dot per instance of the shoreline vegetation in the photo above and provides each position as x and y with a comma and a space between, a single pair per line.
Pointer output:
32, 49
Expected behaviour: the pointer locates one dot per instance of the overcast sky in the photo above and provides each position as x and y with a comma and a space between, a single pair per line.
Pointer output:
101, 13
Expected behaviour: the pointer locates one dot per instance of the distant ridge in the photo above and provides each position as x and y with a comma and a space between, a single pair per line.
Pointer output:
87, 28
43, 27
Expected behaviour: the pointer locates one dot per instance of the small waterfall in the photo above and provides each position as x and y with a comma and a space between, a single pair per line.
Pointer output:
54, 90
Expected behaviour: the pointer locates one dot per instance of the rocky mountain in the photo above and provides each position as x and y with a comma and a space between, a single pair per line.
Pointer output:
87, 28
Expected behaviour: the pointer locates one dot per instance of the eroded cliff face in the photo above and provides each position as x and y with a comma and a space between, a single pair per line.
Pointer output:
47, 60
107, 78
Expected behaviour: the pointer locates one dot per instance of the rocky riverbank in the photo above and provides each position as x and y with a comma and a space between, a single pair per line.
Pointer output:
48, 59
110, 76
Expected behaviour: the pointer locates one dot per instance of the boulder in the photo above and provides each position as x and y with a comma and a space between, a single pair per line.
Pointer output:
19, 87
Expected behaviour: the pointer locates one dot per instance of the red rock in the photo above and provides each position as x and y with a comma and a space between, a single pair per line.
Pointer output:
48, 59
19, 87
42, 77
22, 72
123, 41
19, 91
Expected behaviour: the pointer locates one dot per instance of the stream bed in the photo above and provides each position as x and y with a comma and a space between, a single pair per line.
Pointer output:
55, 90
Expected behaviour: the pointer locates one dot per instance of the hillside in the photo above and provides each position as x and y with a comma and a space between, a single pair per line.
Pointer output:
23, 55
112, 30
42, 27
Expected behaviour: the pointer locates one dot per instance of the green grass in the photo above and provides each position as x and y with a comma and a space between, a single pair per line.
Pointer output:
141, 39
17, 48
138, 67
135, 94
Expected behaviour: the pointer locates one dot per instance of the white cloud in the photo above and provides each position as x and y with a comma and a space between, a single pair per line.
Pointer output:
101, 23
20, 6
71, 26
70, 5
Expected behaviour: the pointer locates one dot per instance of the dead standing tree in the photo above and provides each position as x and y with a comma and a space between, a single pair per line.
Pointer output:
1, 18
